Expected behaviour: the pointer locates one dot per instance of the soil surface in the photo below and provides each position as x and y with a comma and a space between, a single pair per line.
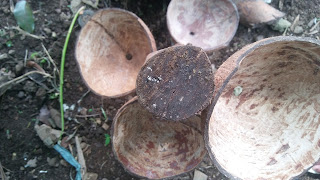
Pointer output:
20, 104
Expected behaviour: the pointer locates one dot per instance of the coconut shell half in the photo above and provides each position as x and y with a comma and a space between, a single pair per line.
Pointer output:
206, 24
149, 148
111, 49
270, 129
255, 12
175, 83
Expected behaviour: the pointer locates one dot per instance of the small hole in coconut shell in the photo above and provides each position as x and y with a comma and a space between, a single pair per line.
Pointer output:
128, 56
191, 33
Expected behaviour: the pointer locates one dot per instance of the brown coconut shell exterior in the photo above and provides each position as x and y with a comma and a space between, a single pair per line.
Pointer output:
153, 149
272, 129
210, 25
176, 83
255, 12
111, 49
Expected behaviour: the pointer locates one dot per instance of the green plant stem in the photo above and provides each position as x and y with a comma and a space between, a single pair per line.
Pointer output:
62, 68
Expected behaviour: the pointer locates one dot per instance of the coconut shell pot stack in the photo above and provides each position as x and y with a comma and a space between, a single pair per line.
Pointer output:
111, 51
265, 120
158, 134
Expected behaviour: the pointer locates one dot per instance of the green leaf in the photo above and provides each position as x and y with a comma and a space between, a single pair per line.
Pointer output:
24, 17
9, 43
104, 113
107, 141
34, 55
53, 95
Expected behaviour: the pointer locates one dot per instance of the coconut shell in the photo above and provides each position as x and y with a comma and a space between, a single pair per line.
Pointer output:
155, 149
271, 130
111, 49
206, 24
176, 82
255, 12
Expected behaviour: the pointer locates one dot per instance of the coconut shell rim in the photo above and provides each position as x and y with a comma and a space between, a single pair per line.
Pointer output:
131, 101
225, 82
213, 48
148, 33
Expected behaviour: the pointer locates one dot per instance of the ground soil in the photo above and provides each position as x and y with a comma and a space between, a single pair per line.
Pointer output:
20, 105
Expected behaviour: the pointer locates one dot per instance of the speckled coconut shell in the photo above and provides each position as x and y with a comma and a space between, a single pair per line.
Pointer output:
153, 149
272, 129
110, 51
207, 24
255, 12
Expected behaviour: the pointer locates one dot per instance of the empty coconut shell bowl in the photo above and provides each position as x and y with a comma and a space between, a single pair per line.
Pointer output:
149, 148
265, 116
207, 24
111, 49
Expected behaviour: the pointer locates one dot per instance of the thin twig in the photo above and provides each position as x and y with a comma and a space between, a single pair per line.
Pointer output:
85, 116
72, 135
81, 160
11, 6
23, 76
50, 59
21, 31
84, 95
103, 164
25, 58
315, 26
3, 176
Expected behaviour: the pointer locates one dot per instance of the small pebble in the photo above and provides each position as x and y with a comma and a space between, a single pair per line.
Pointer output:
64, 16
98, 121
53, 161
3, 56
32, 163
259, 37
54, 34
41, 92
83, 145
47, 30
198, 175
19, 67
22, 37
11, 52
20, 94
281, 25
105, 126
56, 116
11, 34
298, 30
311, 22
14, 156
64, 163
30, 87
58, 11
21, 168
